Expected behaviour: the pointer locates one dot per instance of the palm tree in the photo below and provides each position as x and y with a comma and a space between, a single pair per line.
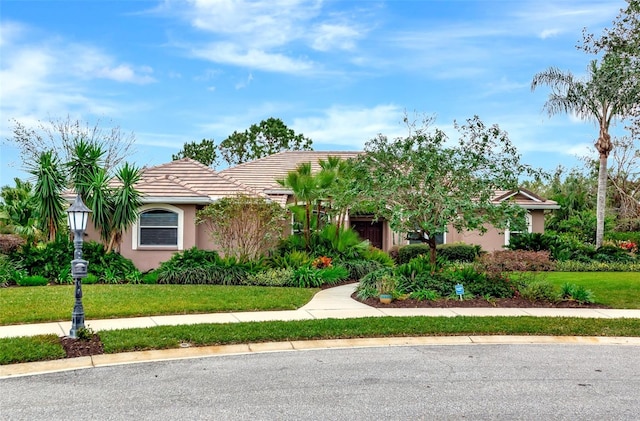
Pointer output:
126, 201
86, 160
604, 95
304, 186
50, 183
17, 210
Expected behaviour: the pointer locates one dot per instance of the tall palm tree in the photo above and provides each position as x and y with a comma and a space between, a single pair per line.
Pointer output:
304, 186
86, 159
126, 201
604, 95
50, 183
17, 210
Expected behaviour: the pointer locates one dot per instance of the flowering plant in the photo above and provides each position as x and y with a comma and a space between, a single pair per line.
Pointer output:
321, 262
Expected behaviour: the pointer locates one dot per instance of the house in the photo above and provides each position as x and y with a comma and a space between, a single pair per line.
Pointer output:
172, 193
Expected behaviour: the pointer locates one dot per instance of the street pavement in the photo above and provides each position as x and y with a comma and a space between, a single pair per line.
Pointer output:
412, 382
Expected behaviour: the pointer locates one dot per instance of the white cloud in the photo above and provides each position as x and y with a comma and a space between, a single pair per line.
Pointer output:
351, 126
256, 59
328, 36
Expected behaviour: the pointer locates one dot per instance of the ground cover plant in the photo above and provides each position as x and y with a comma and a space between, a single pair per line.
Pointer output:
48, 347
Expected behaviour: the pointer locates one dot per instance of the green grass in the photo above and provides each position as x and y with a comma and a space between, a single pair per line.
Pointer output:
614, 289
55, 303
14, 350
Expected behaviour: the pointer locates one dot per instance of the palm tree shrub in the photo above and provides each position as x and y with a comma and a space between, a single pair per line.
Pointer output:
358, 268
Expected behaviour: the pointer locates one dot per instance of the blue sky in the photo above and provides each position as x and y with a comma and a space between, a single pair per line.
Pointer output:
339, 72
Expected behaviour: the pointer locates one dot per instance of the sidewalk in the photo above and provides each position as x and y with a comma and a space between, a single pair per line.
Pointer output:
329, 303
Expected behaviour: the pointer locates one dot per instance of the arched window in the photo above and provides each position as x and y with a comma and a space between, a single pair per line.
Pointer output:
158, 228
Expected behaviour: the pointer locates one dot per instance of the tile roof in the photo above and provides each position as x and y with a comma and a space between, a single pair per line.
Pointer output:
186, 181
262, 173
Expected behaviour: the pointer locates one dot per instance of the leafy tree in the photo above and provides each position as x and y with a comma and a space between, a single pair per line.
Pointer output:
266, 138
625, 186
50, 183
203, 152
244, 227
125, 202
62, 135
419, 183
622, 39
601, 97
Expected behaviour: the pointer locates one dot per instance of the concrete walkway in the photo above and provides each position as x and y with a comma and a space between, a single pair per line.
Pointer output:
330, 303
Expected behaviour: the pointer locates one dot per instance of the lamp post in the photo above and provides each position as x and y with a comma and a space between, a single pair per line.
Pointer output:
78, 214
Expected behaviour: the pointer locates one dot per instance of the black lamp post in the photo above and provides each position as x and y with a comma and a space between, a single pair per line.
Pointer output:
78, 214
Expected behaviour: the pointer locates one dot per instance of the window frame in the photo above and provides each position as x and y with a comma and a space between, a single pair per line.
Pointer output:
508, 232
135, 240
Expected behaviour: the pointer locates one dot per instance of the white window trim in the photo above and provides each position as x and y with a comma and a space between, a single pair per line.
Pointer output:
507, 232
135, 245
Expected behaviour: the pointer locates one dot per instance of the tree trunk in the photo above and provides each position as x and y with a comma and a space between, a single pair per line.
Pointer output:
601, 200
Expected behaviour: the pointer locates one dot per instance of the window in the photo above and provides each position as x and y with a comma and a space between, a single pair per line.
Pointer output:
508, 235
158, 228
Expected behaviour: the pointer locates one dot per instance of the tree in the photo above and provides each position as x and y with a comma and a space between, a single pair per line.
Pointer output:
601, 97
17, 210
62, 135
625, 184
50, 182
266, 138
418, 183
244, 227
203, 152
305, 189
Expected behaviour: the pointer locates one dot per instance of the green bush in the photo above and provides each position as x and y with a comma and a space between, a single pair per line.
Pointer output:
45, 259
425, 295
577, 293
371, 279
150, 278
459, 252
408, 252
377, 255
591, 266
9, 271
612, 254
289, 260
270, 278
333, 274
91, 279
306, 277
32, 281
359, 268
539, 290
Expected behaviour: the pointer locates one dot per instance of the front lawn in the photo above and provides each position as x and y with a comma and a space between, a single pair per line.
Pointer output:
55, 303
614, 289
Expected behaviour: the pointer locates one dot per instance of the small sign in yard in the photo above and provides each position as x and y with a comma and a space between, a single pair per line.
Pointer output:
460, 290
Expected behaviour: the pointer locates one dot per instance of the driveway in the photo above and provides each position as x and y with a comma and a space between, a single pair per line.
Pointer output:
443, 382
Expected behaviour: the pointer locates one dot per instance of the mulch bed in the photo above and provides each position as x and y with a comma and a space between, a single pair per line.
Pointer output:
82, 347
476, 302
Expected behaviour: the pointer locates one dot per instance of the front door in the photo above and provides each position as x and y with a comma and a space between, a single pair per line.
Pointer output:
368, 230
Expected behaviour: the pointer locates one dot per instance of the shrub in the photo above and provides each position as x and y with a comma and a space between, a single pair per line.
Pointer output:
270, 278
579, 266
408, 252
379, 256
31, 281
289, 260
612, 254
45, 259
150, 278
539, 291
394, 253
306, 277
576, 292
371, 279
90, 279
334, 274
436, 281
424, 295
516, 260
359, 268
9, 270
459, 252
192, 257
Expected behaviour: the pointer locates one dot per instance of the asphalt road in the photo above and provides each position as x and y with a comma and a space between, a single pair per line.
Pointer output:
470, 382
